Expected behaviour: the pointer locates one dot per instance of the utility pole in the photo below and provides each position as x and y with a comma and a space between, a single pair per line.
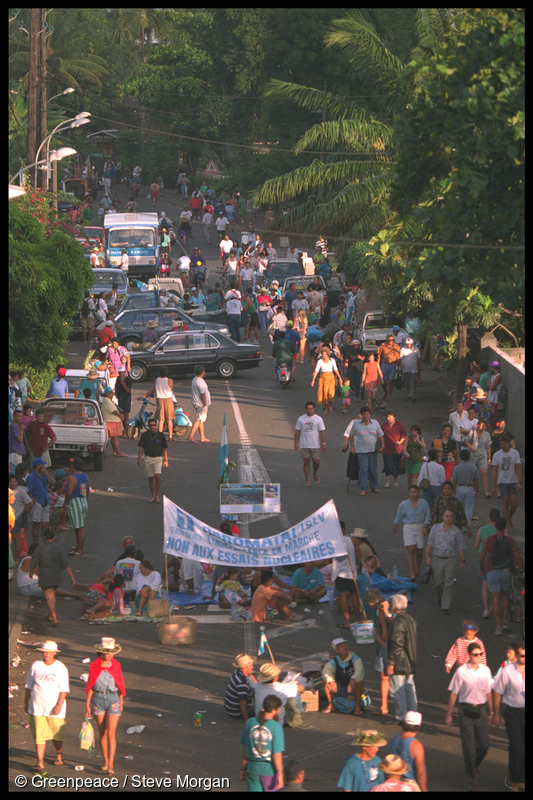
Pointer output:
43, 86
33, 91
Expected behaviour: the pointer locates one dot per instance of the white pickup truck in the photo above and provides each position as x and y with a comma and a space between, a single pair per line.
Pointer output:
79, 428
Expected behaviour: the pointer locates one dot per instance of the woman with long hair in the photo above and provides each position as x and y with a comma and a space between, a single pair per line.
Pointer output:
300, 325
372, 378
413, 450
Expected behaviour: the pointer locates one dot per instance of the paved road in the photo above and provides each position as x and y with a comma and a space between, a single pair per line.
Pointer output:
167, 685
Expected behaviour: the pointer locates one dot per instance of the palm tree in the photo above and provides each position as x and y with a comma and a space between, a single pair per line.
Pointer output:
346, 190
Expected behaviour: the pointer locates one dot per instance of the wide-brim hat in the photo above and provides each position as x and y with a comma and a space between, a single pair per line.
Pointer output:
244, 660
92, 373
49, 647
393, 765
107, 645
369, 738
151, 324
267, 673
360, 533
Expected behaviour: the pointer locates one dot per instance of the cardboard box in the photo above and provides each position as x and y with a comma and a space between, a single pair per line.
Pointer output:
177, 630
311, 698
52, 411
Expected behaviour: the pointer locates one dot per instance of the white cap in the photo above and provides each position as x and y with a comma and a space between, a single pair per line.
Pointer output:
336, 642
413, 718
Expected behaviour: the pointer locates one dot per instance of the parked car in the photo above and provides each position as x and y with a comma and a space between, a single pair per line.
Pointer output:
181, 352
132, 323
278, 269
374, 329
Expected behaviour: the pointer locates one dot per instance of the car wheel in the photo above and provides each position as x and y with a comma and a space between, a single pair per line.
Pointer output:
129, 342
226, 369
98, 462
138, 372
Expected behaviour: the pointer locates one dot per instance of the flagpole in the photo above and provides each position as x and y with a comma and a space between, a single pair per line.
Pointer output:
262, 629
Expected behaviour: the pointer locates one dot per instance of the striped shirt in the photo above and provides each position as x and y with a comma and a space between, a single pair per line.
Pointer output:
458, 652
238, 689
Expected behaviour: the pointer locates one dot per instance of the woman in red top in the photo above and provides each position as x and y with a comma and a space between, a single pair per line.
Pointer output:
372, 377
105, 693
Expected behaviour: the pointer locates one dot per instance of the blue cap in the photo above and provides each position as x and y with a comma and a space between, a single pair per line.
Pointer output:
108, 390
396, 328
37, 461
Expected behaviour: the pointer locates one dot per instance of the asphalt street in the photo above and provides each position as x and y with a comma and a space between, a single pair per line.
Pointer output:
166, 685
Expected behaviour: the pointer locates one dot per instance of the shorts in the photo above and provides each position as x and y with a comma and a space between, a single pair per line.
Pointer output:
31, 590
45, 729
412, 534
114, 428
40, 513
493, 408
480, 460
344, 585
201, 413
165, 408
310, 452
499, 580
77, 511
507, 489
253, 322
388, 371
46, 588
106, 704
15, 458
87, 322
153, 465
125, 404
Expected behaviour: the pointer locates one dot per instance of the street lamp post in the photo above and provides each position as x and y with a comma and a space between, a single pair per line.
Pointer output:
57, 155
74, 122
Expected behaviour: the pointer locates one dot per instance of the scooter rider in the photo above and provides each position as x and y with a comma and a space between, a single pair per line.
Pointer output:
282, 351
294, 337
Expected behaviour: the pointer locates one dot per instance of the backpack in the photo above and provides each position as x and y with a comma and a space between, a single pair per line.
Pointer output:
503, 395
500, 553
85, 310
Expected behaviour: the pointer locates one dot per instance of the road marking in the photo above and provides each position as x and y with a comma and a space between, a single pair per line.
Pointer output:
296, 626
251, 469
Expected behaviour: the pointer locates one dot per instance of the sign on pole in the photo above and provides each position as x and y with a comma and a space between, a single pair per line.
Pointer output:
211, 167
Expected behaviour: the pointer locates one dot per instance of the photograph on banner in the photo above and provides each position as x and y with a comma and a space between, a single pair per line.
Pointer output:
250, 498
316, 537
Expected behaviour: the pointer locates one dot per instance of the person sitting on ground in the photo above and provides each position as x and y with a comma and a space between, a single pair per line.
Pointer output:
344, 675
364, 546
309, 584
112, 602
230, 590
268, 683
371, 564
239, 697
148, 584
266, 595
458, 652
256, 579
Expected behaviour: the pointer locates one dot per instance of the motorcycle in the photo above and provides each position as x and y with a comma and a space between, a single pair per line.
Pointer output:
182, 421
164, 271
284, 373
140, 420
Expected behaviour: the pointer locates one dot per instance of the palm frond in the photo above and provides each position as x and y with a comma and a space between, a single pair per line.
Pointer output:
311, 99
357, 135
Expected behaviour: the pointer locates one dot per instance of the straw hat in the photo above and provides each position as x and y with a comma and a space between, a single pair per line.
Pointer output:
49, 647
268, 673
107, 646
93, 373
243, 660
360, 533
151, 324
393, 765
369, 738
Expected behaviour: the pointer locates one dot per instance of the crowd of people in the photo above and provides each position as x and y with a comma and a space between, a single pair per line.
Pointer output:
444, 477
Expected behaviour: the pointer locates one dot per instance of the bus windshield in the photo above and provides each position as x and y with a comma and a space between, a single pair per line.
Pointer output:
132, 237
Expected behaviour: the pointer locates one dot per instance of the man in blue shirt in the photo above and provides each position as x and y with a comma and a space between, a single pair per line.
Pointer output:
309, 583
415, 515
37, 485
360, 773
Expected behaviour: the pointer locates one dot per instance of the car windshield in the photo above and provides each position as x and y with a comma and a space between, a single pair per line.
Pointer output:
103, 277
132, 237
378, 321
282, 268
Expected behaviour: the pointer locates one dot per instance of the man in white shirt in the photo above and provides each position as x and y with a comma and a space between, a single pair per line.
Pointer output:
309, 439
226, 246
200, 400
221, 224
364, 434
247, 277
233, 303
456, 420
411, 361
471, 685
207, 222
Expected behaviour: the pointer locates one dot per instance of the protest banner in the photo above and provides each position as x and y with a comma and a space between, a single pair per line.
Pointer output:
316, 537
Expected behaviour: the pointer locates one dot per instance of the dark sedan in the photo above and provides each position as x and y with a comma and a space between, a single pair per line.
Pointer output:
133, 322
181, 352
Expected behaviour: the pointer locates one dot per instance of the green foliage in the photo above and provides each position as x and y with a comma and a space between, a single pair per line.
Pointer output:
47, 278
460, 153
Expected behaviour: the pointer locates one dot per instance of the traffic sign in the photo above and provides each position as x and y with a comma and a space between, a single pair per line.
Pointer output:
211, 167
